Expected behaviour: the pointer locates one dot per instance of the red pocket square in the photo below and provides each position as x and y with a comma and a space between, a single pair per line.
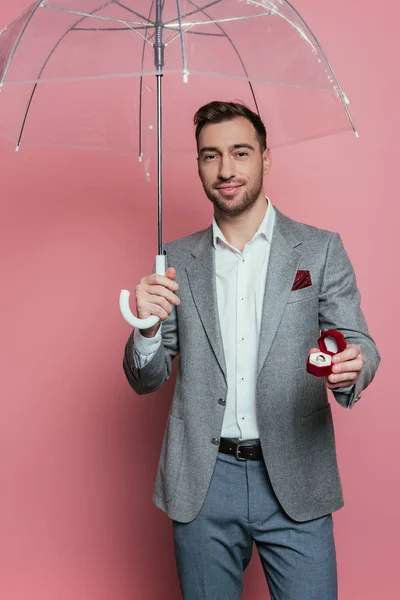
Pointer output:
302, 280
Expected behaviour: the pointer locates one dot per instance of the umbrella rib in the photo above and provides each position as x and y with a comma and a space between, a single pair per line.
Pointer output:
342, 95
203, 33
41, 72
11, 58
106, 28
141, 97
187, 31
134, 12
134, 29
285, 18
99, 17
236, 51
195, 11
184, 65
173, 23
174, 36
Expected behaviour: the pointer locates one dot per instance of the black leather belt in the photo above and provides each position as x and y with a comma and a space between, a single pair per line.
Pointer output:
240, 450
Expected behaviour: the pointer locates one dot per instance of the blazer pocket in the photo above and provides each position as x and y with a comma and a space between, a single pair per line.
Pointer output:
303, 294
171, 458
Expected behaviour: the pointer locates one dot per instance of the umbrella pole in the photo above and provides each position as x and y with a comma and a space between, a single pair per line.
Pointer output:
159, 64
159, 163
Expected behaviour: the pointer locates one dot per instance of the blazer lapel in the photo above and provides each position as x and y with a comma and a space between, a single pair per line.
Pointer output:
284, 260
201, 275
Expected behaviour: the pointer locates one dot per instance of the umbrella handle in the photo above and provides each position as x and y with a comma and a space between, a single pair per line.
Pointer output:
124, 301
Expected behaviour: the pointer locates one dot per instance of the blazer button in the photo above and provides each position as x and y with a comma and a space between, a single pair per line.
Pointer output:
215, 441
222, 401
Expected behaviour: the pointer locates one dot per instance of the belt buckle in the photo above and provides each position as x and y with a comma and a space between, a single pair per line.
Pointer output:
238, 457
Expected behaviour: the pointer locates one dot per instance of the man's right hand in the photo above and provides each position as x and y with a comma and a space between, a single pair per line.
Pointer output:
155, 295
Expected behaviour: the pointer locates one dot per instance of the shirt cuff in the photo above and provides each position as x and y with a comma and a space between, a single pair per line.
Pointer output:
145, 345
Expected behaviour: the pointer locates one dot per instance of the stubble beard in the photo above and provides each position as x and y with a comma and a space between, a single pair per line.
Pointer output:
247, 201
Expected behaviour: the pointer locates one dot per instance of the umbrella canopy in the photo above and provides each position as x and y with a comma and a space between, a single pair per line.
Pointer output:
100, 55
87, 74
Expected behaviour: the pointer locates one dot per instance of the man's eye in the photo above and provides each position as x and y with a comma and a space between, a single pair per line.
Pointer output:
209, 157
242, 154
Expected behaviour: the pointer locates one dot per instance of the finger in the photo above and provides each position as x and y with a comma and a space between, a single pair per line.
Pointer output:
160, 301
314, 350
159, 290
158, 311
351, 352
156, 279
348, 366
344, 378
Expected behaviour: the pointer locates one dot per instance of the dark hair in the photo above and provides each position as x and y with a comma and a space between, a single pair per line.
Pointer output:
217, 112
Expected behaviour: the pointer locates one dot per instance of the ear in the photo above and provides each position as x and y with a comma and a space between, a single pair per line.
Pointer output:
267, 161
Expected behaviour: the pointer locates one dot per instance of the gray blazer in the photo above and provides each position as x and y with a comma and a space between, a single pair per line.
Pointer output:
294, 415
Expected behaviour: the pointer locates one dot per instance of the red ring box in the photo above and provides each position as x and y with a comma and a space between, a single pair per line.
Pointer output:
320, 363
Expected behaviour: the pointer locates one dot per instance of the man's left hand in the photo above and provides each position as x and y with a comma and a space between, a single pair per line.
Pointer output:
347, 367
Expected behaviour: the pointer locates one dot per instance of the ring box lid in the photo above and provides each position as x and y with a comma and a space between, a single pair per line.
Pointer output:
331, 342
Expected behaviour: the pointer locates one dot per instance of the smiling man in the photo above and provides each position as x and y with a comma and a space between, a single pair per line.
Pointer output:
249, 455
232, 172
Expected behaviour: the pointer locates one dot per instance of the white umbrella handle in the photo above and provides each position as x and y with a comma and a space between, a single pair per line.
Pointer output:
124, 301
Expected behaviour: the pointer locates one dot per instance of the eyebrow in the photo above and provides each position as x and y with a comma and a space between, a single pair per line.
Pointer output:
234, 147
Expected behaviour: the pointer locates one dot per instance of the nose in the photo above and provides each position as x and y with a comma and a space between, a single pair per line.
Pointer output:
226, 168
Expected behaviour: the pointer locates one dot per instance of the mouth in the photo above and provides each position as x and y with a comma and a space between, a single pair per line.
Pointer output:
229, 190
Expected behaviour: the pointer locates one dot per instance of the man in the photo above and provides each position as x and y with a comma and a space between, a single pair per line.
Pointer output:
249, 453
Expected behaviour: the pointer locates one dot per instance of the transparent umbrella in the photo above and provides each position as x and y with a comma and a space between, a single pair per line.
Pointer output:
103, 76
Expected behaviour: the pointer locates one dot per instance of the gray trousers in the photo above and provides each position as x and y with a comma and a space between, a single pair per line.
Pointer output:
240, 509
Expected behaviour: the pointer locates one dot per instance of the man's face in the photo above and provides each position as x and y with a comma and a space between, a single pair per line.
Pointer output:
232, 165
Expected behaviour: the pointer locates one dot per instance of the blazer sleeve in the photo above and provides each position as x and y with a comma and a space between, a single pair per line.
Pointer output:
339, 308
151, 377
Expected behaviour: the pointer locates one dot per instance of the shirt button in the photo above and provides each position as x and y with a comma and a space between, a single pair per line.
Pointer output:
222, 401
215, 441
242, 298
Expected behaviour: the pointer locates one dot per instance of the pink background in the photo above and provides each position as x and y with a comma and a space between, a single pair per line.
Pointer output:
78, 449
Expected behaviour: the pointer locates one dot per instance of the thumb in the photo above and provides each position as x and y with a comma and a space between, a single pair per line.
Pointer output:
314, 350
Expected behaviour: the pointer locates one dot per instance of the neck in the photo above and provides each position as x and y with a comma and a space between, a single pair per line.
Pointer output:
240, 229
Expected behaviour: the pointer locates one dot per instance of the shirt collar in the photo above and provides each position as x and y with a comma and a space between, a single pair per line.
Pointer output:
266, 227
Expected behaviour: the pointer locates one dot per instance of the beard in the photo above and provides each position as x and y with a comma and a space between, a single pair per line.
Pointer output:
227, 204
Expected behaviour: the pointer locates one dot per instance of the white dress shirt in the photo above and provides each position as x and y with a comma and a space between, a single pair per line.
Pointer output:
240, 278
240, 283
